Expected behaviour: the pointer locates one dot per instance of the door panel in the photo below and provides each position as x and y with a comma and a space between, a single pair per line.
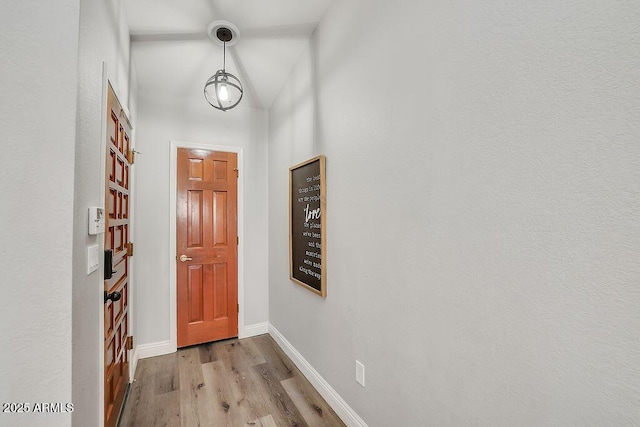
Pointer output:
194, 224
116, 237
220, 219
207, 280
220, 291
196, 286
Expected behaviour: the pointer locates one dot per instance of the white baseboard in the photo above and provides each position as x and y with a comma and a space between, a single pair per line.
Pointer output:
253, 330
153, 349
133, 365
165, 347
148, 350
337, 403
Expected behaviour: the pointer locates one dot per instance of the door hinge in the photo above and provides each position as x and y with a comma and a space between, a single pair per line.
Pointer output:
237, 172
129, 249
238, 308
130, 342
237, 240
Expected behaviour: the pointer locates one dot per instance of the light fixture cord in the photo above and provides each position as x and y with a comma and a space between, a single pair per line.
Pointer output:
224, 56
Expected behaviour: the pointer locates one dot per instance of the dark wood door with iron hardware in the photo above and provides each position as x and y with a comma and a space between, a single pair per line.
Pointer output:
116, 240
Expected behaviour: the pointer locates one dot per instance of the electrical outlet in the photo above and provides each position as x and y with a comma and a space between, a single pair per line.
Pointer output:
360, 373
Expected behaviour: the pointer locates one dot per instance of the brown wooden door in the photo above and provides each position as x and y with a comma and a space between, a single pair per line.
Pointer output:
116, 238
207, 247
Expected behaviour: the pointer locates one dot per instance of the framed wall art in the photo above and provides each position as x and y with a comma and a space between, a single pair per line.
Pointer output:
307, 225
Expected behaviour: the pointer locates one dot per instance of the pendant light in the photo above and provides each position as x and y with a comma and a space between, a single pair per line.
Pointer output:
223, 90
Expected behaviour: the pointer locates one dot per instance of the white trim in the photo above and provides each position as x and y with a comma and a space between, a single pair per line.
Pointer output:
337, 403
254, 330
132, 268
167, 347
153, 349
160, 348
134, 361
100, 286
173, 174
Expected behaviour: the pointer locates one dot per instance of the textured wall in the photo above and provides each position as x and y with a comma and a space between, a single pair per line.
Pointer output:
483, 174
38, 81
104, 37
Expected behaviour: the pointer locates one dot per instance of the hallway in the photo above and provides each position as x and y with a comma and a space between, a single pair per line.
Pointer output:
481, 237
248, 382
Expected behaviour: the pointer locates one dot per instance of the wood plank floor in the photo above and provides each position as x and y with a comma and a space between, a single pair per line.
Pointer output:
248, 382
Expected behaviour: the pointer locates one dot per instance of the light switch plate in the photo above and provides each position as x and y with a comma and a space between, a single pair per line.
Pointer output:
93, 259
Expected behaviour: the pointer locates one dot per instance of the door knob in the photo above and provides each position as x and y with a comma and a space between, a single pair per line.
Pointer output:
113, 296
185, 258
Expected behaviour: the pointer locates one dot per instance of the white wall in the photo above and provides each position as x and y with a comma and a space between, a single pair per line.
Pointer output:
160, 121
483, 174
104, 37
38, 82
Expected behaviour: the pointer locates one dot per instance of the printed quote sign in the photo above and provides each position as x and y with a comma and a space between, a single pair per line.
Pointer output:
307, 224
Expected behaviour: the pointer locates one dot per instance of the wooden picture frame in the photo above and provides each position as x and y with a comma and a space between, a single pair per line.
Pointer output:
307, 225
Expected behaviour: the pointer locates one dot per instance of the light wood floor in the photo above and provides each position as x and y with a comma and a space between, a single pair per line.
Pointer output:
248, 382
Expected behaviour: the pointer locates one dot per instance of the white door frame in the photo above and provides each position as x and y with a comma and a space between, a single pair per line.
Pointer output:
173, 185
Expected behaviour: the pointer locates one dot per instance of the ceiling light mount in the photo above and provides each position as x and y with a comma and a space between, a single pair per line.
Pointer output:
223, 90
222, 32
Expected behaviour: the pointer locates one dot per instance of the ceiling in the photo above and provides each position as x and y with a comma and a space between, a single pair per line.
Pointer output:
174, 56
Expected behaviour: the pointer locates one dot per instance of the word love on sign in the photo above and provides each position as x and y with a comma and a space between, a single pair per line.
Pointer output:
307, 202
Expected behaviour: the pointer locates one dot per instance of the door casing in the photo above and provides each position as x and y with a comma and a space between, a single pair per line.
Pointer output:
173, 307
